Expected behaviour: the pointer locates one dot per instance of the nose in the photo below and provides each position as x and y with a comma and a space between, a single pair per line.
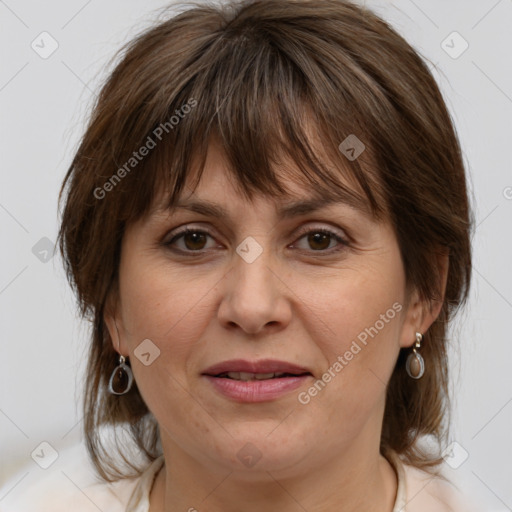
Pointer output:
255, 297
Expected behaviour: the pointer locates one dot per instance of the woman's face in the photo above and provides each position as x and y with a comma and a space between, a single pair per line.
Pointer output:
255, 287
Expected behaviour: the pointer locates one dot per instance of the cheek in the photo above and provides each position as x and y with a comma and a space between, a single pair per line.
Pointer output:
162, 304
167, 308
360, 304
363, 314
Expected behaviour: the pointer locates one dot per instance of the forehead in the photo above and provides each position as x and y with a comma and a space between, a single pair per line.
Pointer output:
217, 191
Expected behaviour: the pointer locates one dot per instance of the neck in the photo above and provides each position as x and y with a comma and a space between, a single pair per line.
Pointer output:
348, 482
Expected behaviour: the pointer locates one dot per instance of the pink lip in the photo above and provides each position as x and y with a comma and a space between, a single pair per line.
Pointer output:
256, 390
263, 366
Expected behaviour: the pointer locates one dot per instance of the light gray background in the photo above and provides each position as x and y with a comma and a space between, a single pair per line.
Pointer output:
43, 103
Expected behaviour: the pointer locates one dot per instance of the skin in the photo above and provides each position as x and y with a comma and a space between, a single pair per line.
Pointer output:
299, 302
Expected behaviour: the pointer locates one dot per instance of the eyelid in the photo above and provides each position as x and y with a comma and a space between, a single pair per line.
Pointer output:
343, 239
168, 239
301, 230
307, 228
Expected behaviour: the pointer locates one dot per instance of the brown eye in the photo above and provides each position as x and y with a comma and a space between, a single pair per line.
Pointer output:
320, 240
194, 240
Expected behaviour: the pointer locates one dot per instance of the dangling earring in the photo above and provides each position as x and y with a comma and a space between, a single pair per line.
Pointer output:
121, 379
415, 365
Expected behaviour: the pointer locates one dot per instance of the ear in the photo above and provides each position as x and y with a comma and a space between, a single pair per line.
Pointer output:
422, 312
113, 321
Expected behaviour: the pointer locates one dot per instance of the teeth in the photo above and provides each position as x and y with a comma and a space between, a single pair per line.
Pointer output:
263, 376
245, 376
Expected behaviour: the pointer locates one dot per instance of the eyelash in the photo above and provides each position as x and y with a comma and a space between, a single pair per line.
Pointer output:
342, 241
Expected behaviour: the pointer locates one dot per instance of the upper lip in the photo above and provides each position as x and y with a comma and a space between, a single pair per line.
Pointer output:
263, 366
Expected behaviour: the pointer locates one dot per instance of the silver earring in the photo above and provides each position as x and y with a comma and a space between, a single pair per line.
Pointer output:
415, 365
121, 379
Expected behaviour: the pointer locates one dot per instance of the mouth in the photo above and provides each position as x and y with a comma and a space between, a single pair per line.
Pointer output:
256, 381
241, 369
246, 376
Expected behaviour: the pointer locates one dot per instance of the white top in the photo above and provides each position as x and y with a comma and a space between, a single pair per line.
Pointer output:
418, 491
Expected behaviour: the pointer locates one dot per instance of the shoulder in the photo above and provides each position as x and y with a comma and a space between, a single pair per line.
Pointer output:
64, 487
60, 493
430, 492
424, 492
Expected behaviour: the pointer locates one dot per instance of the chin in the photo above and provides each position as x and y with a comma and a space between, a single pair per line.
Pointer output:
252, 452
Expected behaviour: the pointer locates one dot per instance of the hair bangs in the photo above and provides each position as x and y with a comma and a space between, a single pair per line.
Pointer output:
261, 109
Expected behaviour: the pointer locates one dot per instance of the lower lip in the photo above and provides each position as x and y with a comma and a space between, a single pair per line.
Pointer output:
256, 390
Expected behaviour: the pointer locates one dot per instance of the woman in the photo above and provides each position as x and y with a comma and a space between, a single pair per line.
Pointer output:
267, 223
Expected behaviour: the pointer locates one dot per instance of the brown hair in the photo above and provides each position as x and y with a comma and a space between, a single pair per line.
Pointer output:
260, 77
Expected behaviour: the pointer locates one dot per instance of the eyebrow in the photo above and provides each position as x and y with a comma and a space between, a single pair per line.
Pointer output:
285, 211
